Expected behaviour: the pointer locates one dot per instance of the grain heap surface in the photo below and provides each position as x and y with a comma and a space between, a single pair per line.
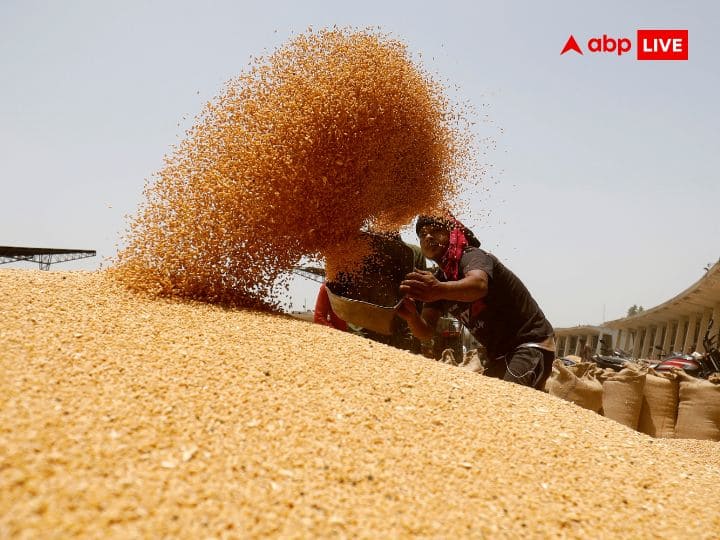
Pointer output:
126, 417
336, 130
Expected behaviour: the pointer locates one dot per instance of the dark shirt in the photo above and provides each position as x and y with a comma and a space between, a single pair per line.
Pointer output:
507, 317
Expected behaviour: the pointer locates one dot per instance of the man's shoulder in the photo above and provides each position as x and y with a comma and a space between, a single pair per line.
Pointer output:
473, 256
475, 252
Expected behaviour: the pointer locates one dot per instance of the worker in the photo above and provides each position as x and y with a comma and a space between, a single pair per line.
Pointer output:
481, 292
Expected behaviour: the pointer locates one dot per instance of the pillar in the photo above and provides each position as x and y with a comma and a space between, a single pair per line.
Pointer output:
644, 352
680, 335
637, 342
628, 340
668, 337
716, 319
699, 347
690, 335
657, 342
716, 327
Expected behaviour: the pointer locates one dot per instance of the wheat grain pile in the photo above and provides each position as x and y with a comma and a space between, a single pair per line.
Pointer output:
336, 130
125, 417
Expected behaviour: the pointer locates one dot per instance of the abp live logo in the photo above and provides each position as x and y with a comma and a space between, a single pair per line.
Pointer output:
662, 44
651, 45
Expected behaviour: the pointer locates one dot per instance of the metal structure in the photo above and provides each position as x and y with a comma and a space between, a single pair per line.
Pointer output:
43, 256
310, 272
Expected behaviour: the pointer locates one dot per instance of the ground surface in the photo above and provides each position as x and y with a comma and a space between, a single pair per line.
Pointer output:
126, 417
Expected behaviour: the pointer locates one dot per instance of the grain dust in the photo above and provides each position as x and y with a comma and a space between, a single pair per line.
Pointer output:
335, 131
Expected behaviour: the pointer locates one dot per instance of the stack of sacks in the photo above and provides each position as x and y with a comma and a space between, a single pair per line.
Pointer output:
699, 408
662, 405
622, 396
577, 384
659, 405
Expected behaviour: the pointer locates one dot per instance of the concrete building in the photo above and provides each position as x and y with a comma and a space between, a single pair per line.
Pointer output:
679, 324
572, 341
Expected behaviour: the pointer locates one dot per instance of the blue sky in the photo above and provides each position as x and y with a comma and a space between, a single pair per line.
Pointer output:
602, 188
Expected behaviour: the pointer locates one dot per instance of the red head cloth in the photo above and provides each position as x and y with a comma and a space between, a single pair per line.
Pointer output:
450, 262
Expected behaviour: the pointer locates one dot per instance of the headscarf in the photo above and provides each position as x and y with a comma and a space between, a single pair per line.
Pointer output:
460, 238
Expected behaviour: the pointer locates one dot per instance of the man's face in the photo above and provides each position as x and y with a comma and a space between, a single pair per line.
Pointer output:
434, 241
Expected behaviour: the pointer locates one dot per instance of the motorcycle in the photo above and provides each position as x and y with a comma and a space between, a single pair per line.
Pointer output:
615, 359
700, 366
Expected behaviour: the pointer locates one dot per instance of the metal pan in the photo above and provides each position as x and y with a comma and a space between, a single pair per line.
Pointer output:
379, 319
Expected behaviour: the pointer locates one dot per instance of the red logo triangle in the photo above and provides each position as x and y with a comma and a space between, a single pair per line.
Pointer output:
571, 45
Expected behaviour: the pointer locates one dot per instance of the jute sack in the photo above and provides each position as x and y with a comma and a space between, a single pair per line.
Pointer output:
472, 362
602, 374
622, 396
699, 409
577, 384
659, 405
448, 357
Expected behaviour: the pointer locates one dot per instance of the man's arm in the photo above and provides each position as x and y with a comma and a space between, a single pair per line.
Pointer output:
421, 325
424, 286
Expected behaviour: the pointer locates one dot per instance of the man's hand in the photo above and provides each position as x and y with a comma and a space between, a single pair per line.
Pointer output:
421, 285
421, 325
407, 310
